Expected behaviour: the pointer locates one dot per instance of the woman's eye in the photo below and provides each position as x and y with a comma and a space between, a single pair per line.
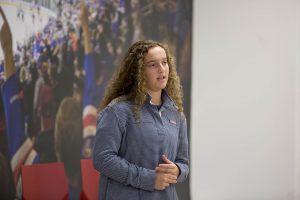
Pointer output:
152, 65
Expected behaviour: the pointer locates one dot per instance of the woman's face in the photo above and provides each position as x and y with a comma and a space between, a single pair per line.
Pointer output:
156, 69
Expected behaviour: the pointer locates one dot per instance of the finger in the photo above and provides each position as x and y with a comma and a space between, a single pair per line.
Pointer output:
165, 171
161, 170
166, 160
170, 179
167, 166
162, 187
166, 176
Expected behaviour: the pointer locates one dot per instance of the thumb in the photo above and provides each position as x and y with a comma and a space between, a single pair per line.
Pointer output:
166, 160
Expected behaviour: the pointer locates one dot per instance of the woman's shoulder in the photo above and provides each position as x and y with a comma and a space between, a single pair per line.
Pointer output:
120, 102
117, 106
120, 105
121, 109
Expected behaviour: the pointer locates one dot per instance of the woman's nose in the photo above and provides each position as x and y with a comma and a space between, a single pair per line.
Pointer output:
161, 67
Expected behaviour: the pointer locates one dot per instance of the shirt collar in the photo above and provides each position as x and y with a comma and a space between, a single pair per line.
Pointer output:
167, 101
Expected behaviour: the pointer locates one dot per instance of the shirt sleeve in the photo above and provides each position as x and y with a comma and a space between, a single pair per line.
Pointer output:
182, 157
107, 160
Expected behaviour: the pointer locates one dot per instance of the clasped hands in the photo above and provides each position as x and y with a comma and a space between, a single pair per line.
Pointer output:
166, 174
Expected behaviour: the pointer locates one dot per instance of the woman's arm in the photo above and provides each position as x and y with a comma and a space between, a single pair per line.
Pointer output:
106, 158
6, 44
85, 27
182, 157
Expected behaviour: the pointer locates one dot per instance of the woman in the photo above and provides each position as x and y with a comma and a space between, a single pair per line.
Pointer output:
141, 146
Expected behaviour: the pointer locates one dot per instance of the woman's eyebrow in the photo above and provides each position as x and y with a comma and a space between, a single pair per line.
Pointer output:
150, 61
155, 60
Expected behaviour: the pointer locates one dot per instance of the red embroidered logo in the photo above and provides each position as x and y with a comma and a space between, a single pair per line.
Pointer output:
172, 122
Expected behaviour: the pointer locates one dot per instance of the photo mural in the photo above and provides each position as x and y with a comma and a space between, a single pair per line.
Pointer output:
64, 54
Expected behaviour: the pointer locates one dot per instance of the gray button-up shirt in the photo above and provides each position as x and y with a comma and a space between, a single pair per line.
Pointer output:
127, 151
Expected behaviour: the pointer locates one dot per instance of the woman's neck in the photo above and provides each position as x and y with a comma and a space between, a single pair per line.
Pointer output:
155, 97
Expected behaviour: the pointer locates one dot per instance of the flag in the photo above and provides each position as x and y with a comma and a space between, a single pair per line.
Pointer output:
20, 146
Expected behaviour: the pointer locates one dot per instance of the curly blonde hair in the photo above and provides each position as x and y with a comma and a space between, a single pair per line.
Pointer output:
128, 82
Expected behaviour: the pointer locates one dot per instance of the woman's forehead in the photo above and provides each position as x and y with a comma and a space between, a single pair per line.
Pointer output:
155, 53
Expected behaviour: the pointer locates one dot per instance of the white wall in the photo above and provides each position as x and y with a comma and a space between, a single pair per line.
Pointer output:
297, 116
245, 94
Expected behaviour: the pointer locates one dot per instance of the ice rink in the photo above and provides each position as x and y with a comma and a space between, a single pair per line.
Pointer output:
22, 29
